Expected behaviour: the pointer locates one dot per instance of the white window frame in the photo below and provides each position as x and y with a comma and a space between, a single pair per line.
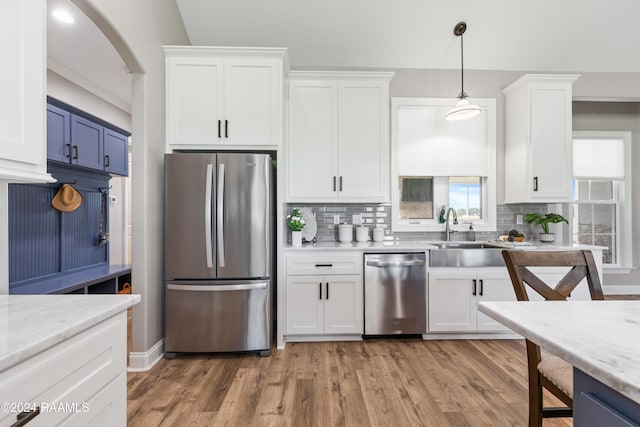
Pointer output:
441, 188
624, 226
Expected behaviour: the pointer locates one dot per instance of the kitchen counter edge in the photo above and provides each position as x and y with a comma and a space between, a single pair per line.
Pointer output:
30, 324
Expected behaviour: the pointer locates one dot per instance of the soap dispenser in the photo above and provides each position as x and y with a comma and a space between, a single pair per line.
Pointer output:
472, 233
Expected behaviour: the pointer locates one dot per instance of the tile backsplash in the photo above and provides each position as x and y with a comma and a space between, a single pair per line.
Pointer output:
379, 215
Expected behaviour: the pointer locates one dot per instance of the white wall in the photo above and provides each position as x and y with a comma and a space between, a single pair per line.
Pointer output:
144, 26
66, 91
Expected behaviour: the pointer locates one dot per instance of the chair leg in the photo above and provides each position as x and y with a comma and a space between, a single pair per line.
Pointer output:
535, 401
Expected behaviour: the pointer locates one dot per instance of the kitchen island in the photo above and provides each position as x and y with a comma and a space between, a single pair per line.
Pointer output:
63, 358
601, 339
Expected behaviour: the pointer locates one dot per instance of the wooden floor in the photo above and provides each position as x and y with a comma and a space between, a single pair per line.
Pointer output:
381, 382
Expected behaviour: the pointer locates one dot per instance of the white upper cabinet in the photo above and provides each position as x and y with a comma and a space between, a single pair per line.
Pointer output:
338, 142
538, 125
224, 96
23, 147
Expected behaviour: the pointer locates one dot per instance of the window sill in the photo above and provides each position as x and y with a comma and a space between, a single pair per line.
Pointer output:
617, 270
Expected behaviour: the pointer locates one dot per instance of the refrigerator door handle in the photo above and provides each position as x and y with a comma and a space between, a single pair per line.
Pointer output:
220, 216
207, 217
215, 288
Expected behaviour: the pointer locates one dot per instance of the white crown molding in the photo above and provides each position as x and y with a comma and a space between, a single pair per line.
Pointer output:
88, 85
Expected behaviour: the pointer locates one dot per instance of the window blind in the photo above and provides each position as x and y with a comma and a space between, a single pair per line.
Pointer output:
429, 145
598, 158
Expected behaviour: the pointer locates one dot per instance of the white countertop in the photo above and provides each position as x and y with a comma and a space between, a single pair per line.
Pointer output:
30, 324
601, 338
425, 245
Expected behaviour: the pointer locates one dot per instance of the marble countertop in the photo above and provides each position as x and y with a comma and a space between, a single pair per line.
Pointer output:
424, 245
30, 324
601, 338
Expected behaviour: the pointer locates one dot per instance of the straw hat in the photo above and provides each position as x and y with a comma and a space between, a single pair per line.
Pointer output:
67, 199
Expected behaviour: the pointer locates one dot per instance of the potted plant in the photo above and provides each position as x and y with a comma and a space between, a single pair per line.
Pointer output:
296, 223
544, 221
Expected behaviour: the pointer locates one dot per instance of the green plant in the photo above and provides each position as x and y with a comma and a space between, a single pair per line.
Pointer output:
295, 220
544, 220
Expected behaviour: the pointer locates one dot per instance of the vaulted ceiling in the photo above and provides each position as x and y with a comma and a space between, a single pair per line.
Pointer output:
534, 36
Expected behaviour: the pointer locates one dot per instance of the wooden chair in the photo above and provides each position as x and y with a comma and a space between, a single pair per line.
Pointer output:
545, 370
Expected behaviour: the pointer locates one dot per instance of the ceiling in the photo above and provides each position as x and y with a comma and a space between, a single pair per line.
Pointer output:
81, 53
540, 36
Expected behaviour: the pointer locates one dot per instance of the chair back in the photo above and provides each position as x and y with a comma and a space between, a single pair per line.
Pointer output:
582, 266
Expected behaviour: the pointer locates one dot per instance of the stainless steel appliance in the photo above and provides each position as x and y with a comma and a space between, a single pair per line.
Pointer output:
395, 293
218, 252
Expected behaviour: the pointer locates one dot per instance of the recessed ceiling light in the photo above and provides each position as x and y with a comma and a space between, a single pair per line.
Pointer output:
63, 16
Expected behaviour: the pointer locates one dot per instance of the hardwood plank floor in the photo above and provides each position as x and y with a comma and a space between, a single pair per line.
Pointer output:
376, 382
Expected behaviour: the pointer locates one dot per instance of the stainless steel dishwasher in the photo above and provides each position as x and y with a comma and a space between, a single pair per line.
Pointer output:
395, 293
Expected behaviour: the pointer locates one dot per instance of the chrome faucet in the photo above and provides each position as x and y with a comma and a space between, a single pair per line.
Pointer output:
447, 228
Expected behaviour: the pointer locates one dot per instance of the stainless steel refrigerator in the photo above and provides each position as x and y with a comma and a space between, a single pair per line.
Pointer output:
218, 252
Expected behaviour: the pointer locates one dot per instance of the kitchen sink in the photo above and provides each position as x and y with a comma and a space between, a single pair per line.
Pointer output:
465, 254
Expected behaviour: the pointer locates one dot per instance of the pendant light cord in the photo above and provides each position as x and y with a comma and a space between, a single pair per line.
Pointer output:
462, 93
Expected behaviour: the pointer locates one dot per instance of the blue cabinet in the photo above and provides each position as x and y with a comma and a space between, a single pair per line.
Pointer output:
82, 140
116, 149
87, 140
58, 134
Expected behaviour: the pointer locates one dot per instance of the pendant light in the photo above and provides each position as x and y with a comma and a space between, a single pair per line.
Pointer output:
463, 109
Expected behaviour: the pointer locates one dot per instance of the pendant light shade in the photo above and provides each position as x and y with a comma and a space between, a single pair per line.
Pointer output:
463, 109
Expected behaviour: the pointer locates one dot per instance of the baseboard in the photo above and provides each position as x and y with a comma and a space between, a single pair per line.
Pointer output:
621, 289
143, 361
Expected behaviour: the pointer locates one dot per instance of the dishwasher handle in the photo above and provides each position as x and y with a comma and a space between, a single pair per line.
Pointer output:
412, 263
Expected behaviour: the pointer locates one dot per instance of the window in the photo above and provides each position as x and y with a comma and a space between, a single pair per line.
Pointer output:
465, 196
601, 207
438, 163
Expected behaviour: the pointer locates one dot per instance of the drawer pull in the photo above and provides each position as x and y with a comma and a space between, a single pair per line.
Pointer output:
324, 265
25, 416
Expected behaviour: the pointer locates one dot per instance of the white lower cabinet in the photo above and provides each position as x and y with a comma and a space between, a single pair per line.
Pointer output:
326, 302
454, 294
79, 382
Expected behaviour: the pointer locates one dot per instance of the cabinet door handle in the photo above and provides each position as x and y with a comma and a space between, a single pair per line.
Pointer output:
535, 183
340, 183
68, 151
75, 151
327, 292
475, 287
219, 128
107, 161
226, 128
481, 287
320, 289
25, 416
324, 265
334, 183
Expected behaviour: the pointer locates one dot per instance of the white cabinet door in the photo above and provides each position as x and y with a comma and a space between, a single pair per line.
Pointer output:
338, 144
252, 93
551, 126
312, 142
493, 287
224, 96
452, 305
538, 142
343, 305
363, 139
194, 100
23, 147
304, 305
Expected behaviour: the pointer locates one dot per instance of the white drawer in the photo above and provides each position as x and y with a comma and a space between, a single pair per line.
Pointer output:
69, 373
325, 263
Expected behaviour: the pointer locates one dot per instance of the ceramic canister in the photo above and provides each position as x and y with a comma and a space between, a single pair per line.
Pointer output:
345, 232
378, 234
362, 234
